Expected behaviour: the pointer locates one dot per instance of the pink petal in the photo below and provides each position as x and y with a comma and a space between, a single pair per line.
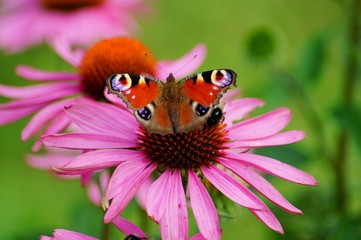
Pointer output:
86, 141
94, 194
260, 184
174, 222
20, 103
104, 179
40, 75
275, 140
18, 21
273, 167
60, 123
42, 117
92, 119
157, 196
11, 115
119, 177
61, 234
64, 49
126, 185
86, 177
232, 93
183, 66
204, 210
198, 237
99, 159
267, 217
128, 228
141, 195
49, 160
231, 188
240, 108
33, 91
45, 238
97, 191
115, 100
262, 126
117, 111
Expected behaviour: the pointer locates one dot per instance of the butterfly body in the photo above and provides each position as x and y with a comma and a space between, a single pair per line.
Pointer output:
173, 107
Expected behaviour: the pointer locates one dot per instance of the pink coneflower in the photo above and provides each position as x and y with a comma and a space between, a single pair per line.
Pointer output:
78, 22
58, 89
219, 154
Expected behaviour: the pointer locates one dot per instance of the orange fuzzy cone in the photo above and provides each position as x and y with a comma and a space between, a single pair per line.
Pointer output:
111, 56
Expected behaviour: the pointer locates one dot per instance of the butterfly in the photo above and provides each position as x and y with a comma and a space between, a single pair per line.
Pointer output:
133, 237
174, 107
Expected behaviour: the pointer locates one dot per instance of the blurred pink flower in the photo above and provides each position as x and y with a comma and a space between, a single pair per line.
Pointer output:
122, 224
115, 140
58, 89
78, 22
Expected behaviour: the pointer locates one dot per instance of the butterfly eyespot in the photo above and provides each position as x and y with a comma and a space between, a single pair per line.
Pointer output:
201, 110
144, 113
215, 117
120, 82
221, 78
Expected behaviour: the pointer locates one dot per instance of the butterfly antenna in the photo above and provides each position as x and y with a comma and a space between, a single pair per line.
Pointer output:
186, 64
159, 66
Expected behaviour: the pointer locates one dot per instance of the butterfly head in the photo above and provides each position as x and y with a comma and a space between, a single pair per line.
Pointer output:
171, 78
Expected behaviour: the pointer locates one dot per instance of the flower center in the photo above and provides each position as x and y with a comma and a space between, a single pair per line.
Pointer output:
111, 56
68, 5
185, 150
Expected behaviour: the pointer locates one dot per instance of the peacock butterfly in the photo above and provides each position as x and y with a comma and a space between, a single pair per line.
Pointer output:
174, 107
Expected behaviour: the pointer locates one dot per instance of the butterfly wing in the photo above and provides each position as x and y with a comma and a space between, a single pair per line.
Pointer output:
203, 91
207, 88
137, 91
144, 96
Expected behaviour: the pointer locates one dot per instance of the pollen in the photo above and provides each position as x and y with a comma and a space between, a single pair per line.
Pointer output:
185, 150
68, 5
114, 56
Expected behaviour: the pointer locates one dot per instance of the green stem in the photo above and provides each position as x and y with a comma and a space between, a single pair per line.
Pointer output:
105, 234
144, 220
351, 70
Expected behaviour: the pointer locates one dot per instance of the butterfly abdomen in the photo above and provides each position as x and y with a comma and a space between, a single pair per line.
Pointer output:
171, 95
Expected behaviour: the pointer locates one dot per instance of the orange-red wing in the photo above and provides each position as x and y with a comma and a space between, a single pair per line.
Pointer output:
206, 87
201, 92
136, 90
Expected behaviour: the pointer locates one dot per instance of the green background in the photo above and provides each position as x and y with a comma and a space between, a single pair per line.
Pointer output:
303, 68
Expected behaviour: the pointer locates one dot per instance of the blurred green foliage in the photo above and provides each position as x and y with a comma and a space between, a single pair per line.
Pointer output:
260, 45
301, 50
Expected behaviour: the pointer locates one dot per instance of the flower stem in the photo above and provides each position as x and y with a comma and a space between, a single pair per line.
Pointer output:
144, 220
105, 234
351, 70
